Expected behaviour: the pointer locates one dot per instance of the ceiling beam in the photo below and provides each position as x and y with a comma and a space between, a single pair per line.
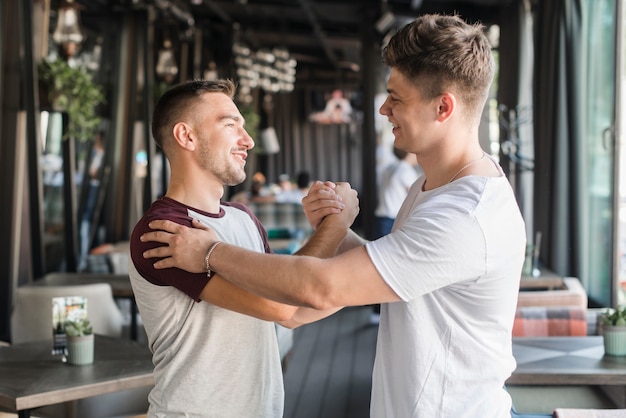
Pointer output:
317, 30
279, 38
217, 9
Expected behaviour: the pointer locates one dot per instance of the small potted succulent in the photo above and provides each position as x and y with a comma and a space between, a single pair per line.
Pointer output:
614, 331
80, 342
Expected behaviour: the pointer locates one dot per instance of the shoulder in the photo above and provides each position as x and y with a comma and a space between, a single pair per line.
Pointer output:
166, 209
238, 205
468, 204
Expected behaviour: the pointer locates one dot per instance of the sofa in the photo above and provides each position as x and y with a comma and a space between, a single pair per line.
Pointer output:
561, 311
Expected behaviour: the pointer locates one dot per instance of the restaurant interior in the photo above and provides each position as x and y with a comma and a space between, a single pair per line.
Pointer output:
79, 80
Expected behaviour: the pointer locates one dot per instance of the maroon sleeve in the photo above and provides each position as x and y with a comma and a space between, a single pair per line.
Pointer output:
189, 283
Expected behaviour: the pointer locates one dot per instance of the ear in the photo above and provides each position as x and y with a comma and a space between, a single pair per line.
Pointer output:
184, 136
446, 106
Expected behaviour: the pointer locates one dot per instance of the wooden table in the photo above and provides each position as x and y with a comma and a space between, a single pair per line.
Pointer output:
547, 280
120, 286
565, 361
30, 376
569, 361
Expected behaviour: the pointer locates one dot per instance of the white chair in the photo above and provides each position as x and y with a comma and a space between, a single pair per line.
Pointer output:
31, 320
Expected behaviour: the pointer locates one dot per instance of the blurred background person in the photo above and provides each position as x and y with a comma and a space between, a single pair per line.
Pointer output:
295, 193
396, 180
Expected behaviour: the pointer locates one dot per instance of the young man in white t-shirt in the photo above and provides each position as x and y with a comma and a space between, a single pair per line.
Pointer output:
448, 275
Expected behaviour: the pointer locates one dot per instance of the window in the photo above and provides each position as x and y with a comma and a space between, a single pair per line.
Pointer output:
599, 78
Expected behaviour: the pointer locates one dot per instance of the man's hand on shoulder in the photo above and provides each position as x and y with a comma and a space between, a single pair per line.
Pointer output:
186, 247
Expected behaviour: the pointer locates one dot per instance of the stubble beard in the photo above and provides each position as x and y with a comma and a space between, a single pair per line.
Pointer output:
232, 178
230, 174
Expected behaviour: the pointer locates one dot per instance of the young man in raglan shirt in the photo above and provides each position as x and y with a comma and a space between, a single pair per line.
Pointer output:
214, 345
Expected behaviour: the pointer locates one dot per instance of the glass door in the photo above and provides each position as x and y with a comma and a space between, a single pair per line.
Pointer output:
597, 164
620, 171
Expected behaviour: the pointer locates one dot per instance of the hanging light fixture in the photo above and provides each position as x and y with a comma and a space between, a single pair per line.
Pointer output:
68, 33
166, 67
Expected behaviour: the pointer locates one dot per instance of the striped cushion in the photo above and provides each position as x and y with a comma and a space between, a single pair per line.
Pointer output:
544, 321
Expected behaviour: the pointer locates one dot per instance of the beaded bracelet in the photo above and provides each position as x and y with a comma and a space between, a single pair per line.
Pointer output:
210, 272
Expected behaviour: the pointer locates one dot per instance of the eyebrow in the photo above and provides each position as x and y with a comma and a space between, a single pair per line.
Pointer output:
233, 117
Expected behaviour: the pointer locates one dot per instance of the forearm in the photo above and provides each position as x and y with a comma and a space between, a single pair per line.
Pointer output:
304, 316
350, 241
224, 294
326, 240
295, 280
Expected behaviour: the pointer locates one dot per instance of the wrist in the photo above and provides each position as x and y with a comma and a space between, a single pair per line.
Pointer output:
207, 258
333, 223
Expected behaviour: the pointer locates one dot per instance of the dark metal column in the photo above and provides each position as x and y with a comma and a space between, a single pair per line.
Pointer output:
12, 150
371, 61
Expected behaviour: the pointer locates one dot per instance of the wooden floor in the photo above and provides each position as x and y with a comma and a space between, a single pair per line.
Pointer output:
329, 373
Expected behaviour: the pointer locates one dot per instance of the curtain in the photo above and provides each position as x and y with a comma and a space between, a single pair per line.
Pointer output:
559, 206
515, 81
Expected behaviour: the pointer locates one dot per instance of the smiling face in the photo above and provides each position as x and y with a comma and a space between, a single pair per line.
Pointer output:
223, 143
412, 116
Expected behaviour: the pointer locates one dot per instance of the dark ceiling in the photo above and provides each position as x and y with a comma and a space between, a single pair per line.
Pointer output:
324, 36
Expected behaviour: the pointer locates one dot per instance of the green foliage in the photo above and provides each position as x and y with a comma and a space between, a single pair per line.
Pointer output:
615, 317
253, 120
78, 327
73, 90
160, 87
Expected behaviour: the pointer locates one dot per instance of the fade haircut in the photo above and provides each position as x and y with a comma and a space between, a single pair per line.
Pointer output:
438, 52
178, 103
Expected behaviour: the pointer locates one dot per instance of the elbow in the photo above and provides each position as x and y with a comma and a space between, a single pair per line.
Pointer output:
289, 324
321, 295
284, 314
318, 302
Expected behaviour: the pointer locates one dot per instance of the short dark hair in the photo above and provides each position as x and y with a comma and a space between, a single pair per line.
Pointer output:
178, 102
303, 179
437, 52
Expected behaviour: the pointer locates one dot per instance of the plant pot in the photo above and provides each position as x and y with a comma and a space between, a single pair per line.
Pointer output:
614, 340
80, 350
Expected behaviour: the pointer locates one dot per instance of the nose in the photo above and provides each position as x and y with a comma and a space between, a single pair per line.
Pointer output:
247, 140
384, 108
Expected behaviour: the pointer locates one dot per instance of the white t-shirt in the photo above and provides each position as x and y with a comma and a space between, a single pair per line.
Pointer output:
454, 257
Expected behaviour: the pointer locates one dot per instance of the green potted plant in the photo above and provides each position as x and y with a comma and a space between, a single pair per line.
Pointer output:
80, 342
79, 327
71, 90
614, 331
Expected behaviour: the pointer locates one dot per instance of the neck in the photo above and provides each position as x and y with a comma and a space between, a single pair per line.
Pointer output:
201, 194
448, 164
467, 165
